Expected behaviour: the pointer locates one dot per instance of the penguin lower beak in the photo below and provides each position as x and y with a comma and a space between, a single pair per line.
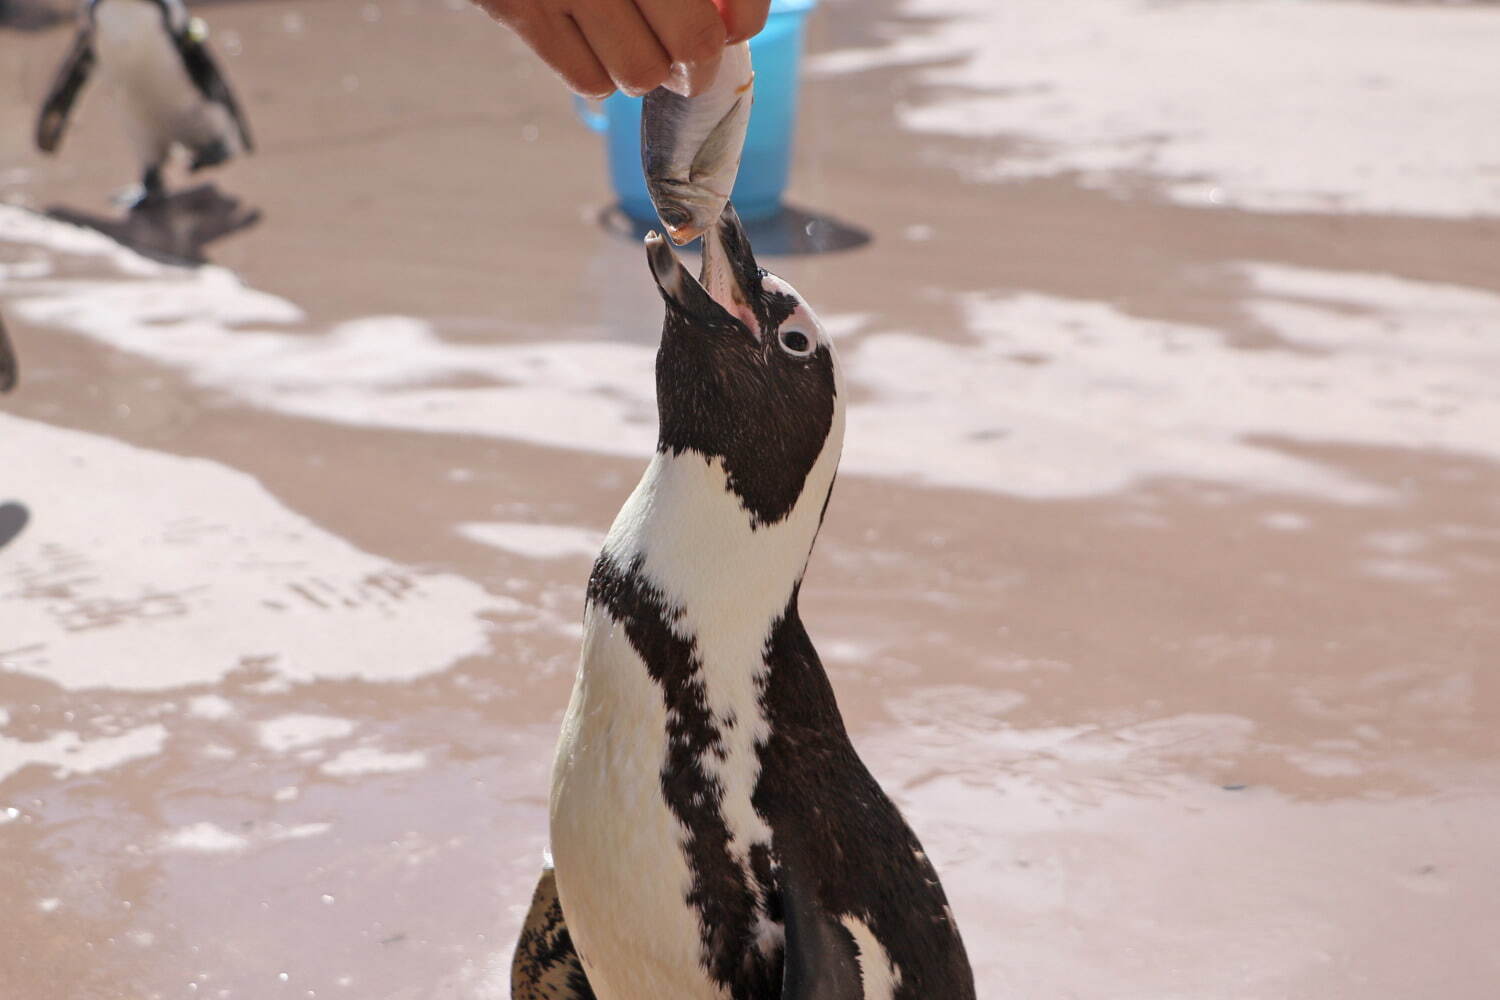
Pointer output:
730, 274
728, 283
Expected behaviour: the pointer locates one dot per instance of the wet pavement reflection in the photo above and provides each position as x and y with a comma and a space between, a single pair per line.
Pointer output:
1159, 587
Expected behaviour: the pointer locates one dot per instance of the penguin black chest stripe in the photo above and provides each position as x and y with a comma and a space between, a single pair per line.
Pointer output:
727, 895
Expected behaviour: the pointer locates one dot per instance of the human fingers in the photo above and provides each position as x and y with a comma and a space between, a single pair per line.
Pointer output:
624, 43
554, 36
693, 35
743, 19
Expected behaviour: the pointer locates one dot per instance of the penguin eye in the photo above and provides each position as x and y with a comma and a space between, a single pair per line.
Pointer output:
796, 342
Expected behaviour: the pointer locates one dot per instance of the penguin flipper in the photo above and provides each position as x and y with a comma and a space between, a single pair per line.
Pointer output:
8, 366
203, 69
546, 965
821, 958
52, 120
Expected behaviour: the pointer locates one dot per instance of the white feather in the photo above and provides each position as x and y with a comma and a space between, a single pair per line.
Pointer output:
881, 977
621, 890
138, 57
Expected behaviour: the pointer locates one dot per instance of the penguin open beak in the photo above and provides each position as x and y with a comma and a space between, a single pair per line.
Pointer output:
729, 282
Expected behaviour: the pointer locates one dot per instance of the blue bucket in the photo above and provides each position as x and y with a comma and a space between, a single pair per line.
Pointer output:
776, 55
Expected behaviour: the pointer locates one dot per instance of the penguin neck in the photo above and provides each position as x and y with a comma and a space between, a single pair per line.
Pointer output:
690, 538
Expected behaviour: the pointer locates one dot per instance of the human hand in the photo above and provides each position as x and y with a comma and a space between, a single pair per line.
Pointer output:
597, 46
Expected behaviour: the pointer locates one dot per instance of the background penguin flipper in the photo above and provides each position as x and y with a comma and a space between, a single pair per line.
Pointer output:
8, 366
204, 71
822, 961
546, 965
52, 120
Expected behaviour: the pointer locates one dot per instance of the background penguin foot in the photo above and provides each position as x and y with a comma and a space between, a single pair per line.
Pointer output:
210, 155
546, 965
150, 191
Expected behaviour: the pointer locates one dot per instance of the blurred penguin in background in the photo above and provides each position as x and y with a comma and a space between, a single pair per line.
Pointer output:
170, 88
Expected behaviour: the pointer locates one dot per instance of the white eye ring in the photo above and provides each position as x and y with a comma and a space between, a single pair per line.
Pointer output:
789, 340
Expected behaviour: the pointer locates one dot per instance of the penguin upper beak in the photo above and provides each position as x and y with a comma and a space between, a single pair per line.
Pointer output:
730, 281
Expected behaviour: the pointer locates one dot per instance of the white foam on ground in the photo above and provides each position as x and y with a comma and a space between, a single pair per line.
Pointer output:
68, 753
1049, 397
144, 570
1369, 360
1115, 854
210, 838
299, 832
1260, 104
292, 732
371, 760
210, 706
535, 541
204, 838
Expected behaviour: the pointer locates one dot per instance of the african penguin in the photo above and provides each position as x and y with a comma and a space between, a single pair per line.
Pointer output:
170, 87
713, 832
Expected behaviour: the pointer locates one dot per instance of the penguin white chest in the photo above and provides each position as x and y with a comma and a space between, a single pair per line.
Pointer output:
137, 54
621, 875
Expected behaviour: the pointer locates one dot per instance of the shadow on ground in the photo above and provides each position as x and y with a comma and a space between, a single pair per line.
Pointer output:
176, 229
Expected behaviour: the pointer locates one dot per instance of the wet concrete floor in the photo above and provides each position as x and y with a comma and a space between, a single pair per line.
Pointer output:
1159, 587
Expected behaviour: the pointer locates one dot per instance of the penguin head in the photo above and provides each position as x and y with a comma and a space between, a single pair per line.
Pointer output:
746, 374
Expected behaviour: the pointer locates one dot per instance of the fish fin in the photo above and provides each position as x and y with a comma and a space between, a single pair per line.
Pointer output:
546, 966
725, 137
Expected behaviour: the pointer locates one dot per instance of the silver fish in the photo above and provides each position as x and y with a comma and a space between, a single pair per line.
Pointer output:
690, 146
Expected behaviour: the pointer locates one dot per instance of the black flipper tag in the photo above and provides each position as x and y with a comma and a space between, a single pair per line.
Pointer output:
546, 966
52, 120
822, 961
